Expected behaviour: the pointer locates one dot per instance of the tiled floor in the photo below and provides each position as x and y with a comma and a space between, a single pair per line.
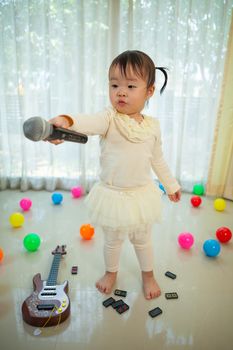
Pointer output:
201, 318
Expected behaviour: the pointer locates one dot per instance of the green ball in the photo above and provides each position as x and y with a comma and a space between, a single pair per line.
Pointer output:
198, 189
31, 242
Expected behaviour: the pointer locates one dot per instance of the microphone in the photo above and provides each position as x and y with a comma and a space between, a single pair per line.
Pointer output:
37, 129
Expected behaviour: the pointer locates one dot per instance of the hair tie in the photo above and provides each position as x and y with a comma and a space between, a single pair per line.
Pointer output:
163, 70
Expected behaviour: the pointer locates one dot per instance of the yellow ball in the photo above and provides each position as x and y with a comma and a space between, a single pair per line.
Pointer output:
219, 204
16, 219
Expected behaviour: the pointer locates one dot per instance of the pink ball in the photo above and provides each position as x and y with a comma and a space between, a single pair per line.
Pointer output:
77, 191
25, 204
185, 240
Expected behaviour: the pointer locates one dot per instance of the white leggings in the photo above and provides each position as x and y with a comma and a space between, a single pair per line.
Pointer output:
142, 242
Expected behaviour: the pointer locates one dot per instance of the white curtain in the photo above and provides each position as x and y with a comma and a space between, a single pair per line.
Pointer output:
54, 58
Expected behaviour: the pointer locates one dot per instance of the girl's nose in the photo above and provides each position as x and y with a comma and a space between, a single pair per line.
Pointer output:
121, 92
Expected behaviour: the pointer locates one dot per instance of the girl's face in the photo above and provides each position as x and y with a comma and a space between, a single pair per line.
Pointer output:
129, 93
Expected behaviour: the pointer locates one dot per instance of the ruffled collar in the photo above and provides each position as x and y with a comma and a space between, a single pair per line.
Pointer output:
132, 130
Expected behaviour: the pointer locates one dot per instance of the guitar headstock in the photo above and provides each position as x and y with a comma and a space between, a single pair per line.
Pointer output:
60, 249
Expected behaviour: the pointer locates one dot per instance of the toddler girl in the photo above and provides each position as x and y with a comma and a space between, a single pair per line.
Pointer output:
126, 202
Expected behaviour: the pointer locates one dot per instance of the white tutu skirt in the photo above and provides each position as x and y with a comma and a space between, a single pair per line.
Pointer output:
127, 209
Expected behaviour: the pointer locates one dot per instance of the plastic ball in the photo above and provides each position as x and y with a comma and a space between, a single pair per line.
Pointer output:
185, 240
31, 242
87, 231
219, 204
25, 204
16, 219
77, 191
195, 201
1, 254
162, 188
57, 198
198, 189
211, 247
223, 234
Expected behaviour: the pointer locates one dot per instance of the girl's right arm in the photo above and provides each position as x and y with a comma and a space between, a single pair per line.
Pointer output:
88, 124
61, 121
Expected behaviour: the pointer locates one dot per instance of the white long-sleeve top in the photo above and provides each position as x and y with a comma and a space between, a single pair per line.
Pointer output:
129, 150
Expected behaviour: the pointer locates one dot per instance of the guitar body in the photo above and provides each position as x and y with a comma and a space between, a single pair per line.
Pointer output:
49, 304
46, 304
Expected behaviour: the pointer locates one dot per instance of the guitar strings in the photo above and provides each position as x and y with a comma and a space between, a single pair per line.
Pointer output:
49, 318
59, 320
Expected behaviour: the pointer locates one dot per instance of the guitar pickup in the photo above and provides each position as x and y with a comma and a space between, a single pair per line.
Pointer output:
45, 306
49, 288
48, 294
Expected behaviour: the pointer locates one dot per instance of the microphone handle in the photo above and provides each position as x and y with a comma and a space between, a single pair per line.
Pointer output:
64, 134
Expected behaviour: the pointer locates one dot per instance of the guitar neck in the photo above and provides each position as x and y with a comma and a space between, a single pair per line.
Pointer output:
52, 279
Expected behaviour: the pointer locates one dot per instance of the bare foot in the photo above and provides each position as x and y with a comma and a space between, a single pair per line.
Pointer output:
105, 284
150, 286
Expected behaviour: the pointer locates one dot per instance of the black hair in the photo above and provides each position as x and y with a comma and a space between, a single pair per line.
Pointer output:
163, 70
141, 64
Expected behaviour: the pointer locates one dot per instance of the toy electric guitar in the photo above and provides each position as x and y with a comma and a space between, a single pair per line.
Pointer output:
49, 304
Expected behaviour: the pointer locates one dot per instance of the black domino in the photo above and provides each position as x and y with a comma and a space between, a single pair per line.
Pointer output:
155, 312
118, 303
122, 308
170, 275
74, 270
120, 293
172, 295
108, 302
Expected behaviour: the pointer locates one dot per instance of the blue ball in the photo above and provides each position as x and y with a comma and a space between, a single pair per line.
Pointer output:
161, 187
211, 247
57, 198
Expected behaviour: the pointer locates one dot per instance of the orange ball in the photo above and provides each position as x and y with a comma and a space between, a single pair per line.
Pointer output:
1, 254
87, 231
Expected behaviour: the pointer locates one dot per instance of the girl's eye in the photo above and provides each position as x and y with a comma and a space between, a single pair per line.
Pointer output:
131, 86
114, 86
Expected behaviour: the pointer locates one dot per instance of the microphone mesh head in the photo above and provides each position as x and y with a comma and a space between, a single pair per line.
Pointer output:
36, 129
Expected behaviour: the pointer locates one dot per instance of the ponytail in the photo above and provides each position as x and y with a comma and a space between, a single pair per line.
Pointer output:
163, 70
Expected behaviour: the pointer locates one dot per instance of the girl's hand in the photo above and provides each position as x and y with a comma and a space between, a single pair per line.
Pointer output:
175, 197
60, 121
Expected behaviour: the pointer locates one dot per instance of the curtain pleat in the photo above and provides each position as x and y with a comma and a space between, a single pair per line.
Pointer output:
220, 179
